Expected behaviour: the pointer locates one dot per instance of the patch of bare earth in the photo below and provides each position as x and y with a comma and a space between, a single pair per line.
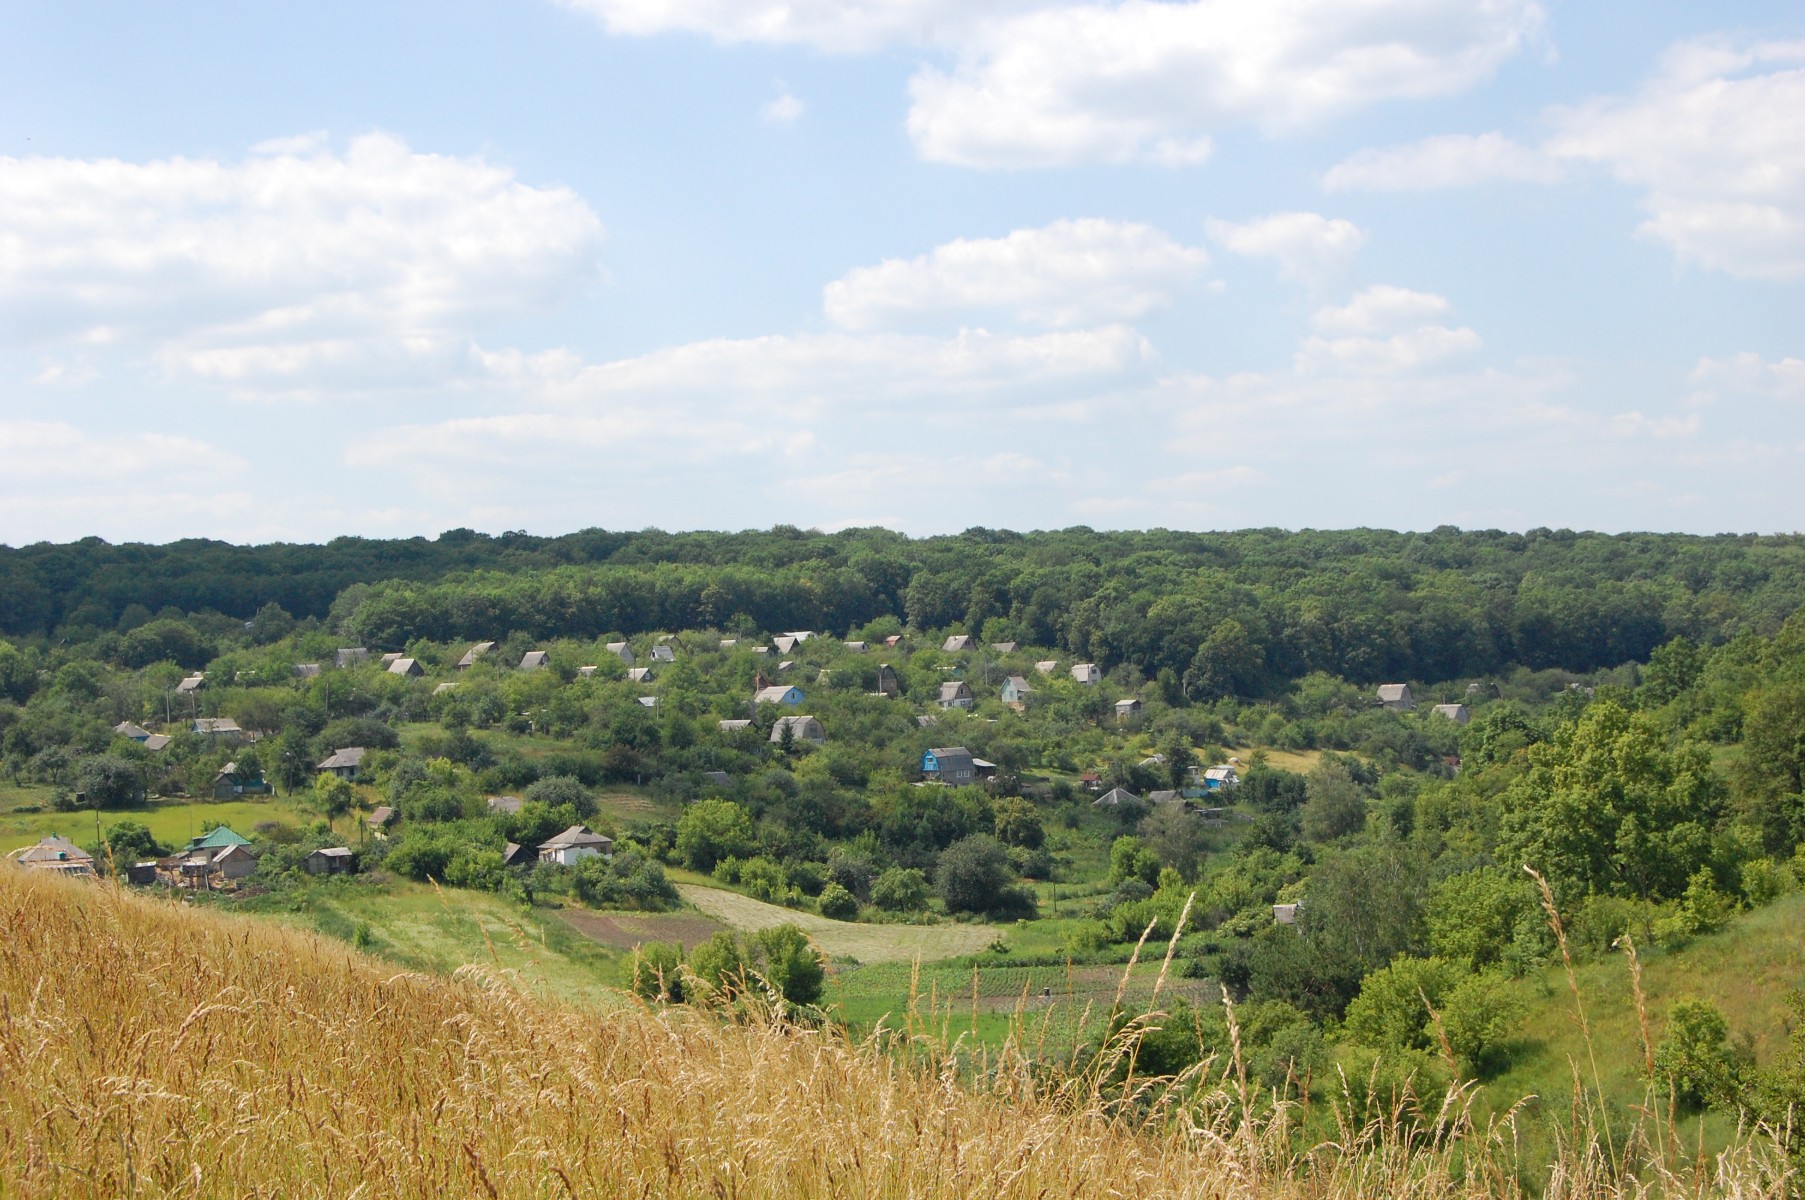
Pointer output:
623, 931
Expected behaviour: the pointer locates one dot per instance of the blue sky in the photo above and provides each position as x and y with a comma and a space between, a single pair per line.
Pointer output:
286, 271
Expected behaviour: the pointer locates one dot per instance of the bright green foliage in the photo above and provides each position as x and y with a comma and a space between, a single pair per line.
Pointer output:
1129, 859
900, 889
1608, 805
790, 963
721, 962
1474, 918
1018, 823
1694, 1055
973, 875
1390, 1013
838, 903
655, 972
711, 830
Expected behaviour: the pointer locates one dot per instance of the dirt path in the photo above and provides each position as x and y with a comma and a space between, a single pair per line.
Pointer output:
867, 943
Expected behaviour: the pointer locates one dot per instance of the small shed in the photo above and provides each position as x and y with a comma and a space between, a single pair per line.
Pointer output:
1087, 673
959, 643
1396, 696
857, 647
1218, 779
1047, 666
1284, 914
1128, 706
191, 684
1456, 713
801, 729
887, 683
1016, 690
333, 860
785, 643
734, 724
408, 667
955, 693
307, 670
534, 660
473, 654
585, 672
380, 818
640, 675
622, 651
350, 656
779, 693
663, 653
951, 765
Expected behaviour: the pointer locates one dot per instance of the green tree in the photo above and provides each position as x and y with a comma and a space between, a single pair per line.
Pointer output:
655, 972
1336, 806
900, 889
838, 903
711, 830
130, 842
973, 875
1694, 1055
1607, 805
1018, 823
791, 963
109, 781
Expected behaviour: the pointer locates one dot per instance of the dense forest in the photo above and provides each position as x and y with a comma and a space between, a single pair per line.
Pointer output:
1240, 613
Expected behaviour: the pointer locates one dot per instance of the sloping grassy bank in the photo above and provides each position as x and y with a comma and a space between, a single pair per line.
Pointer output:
147, 1048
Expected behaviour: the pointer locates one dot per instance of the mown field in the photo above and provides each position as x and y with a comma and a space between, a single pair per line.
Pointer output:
172, 822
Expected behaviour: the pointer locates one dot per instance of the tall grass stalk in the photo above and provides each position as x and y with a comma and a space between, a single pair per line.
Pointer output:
148, 1048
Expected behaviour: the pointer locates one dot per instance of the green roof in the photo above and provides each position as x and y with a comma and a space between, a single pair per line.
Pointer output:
219, 839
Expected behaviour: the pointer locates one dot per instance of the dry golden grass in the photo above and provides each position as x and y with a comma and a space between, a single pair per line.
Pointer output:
152, 1050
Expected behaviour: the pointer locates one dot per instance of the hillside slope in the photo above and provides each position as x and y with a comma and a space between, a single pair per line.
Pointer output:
149, 1049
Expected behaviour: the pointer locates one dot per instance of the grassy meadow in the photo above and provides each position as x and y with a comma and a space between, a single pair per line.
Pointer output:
151, 1048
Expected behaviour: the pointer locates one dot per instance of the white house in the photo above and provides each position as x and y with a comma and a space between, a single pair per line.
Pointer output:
1396, 696
1087, 673
573, 845
955, 694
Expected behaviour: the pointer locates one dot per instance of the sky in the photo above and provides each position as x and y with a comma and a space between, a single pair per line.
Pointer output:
284, 271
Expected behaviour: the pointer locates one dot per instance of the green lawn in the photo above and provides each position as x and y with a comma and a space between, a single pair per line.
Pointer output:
865, 942
1747, 969
171, 822
440, 930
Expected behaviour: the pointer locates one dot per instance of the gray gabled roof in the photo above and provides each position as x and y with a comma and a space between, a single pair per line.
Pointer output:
575, 836
1117, 796
344, 758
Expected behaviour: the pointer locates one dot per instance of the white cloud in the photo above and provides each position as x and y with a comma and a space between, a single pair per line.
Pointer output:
1415, 350
1310, 248
1038, 83
58, 451
1716, 140
1380, 309
294, 262
1637, 424
1075, 272
1151, 80
1749, 375
1452, 160
834, 26
783, 110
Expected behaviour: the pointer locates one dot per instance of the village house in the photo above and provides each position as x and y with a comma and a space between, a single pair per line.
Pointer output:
1016, 691
734, 724
408, 667
784, 643
1396, 696
1218, 779
1047, 666
887, 683
894, 640
729, 643
442, 688
156, 741
380, 818
516, 855
1003, 647
648, 702
233, 781
1456, 713
1284, 914
959, 643
955, 694
218, 729
857, 647
573, 845
128, 730
622, 651
389, 660
640, 675
191, 684
1087, 673
218, 855
1127, 707
951, 765
801, 729
58, 855
585, 672
473, 654
343, 762
533, 660
506, 804
307, 670
663, 653
332, 860
926, 721
1116, 796
779, 693
350, 656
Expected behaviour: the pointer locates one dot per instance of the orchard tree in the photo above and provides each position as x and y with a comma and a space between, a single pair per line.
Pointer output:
711, 830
